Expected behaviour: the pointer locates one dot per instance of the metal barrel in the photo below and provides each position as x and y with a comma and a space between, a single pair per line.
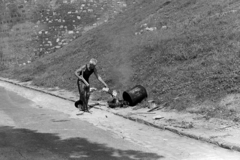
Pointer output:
135, 95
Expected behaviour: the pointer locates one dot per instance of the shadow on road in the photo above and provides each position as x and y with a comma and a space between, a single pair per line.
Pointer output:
28, 144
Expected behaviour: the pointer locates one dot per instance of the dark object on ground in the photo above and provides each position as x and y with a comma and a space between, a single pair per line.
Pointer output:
135, 95
155, 108
115, 103
79, 104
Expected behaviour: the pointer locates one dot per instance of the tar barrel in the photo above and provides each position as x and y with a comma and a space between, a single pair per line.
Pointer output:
135, 95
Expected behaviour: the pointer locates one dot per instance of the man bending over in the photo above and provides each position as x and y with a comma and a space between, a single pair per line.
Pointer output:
83, 74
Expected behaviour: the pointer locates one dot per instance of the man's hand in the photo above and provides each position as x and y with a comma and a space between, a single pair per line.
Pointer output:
87, 87
93, 89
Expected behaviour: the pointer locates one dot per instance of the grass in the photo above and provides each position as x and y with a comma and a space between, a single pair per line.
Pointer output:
194, 60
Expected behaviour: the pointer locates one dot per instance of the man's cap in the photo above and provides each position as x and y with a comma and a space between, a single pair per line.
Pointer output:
93, 61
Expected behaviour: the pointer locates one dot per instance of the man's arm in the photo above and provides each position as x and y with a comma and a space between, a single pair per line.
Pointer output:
77, 72
100, 78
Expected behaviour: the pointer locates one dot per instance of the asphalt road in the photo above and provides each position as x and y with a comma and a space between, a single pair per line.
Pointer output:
41, 130
28, 133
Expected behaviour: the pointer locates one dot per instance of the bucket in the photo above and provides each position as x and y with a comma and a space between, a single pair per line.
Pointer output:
135, 95
77, 103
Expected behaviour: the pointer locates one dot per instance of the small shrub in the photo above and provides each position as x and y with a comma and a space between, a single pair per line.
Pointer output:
26, 78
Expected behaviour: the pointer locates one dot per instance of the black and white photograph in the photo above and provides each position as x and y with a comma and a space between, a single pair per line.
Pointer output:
119, 80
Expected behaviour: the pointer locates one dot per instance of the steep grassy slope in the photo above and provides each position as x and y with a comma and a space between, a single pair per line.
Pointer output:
185, 52
32, 29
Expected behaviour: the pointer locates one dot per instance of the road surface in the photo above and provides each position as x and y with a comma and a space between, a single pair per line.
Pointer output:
30, 131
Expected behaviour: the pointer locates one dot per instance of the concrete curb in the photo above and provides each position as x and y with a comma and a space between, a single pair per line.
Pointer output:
225, 145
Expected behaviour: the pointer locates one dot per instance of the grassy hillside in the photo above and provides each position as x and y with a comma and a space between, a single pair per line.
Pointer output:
185, 52
33, 29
